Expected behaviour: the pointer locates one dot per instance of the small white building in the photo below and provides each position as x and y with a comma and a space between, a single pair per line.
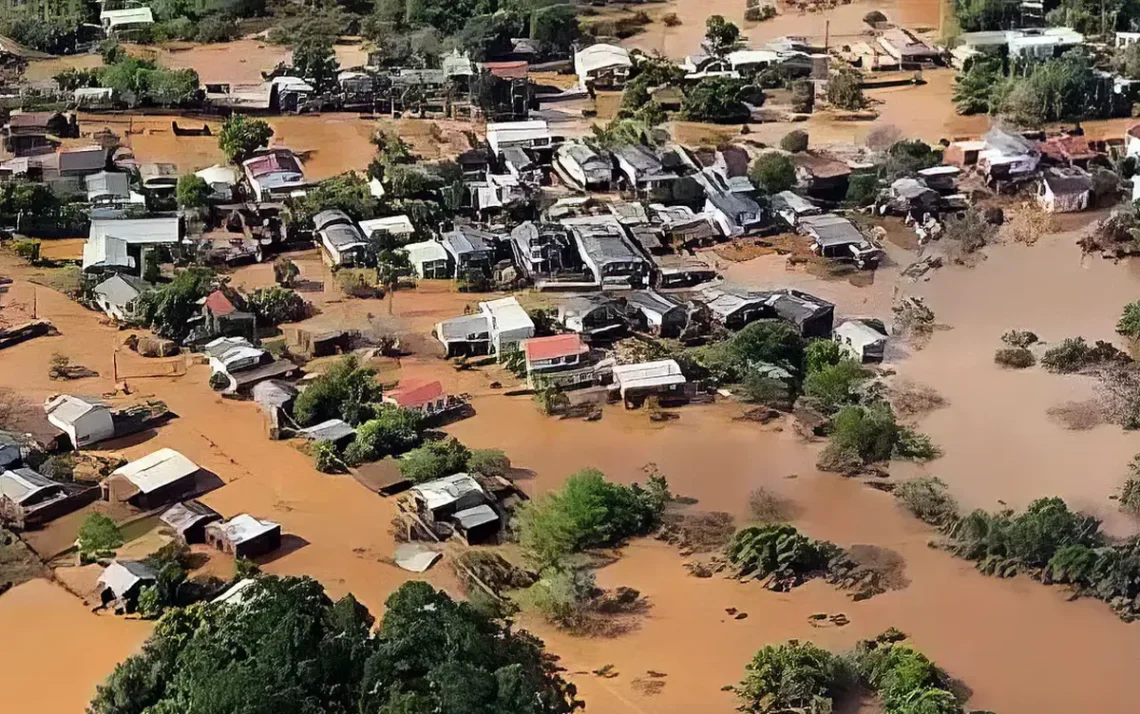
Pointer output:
131, 18
445, 496
603, 66
1064, 190
123, 579
861, 340
118, 296
124, 243
529, 134
85, 422
342, 241
509, 324
400, 227
429, 259
644, 378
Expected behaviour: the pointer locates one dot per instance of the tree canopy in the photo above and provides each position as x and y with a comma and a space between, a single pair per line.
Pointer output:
192, 191
169, 308
315, 60
241, 136
715, 99
289, 649
345, 391
773, 172
721, 35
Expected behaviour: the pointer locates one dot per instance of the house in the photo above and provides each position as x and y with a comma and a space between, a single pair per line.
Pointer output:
274, 174
32, 132
559, 360
602, 66
592, 315
509, 324
236, 366
334, 431
963, 153
681, 271
275, 398
533, 134
221, 317
1064, 190
244, 536
468, 335
943, 179
791, 207
427, 398
605, 250
158, 478
642, 172
861, 339
342, 241
85, 422
544, 249
399, 227
1007, 156
910, 196
905, 48
520, 165
811, 316
117, 22
636, 382
189, 520
733, 306
583, 168
838, 238
438, 499
502, 191
316, 342
478, 524
122, 581
681, 227
470, 249
105, 187
118, 296
652, 312
159, 178
222, 181
430, 260
28, 499
733, 214
82, 161
125, 243
820, 175
1067, 151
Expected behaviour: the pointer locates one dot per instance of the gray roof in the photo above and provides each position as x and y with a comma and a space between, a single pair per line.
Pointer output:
106, 183
640, 158
734, 205
1007, 143
909, 188
480, 515
830, 229
331, 430
516, 157
582, 153
651, 301
183, 516
273, 392
89, 158
467, 327
21, 484
343, 235
329, 217
468, 239
122, 289
797, 306
1067, 182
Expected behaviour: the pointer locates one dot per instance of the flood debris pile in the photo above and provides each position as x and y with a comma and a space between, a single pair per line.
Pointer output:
62, 369
800, 677
429, 653
697, 532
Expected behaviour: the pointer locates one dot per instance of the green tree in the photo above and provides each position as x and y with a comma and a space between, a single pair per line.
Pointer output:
392, 432
844, 90
909, 157
489, 462
192, 191
555, 28
241, 136
1129, 323
773, 172
795, 141
347, 192
169, 308
275, 305
98, 535
343, 391
981, 86
820, 354
721, 36
715, 99
315, 60
835, 385
861, 435
862, 188
434, 460
975, 15
796, 676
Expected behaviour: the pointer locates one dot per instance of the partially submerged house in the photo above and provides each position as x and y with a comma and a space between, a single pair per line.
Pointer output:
156, 479
399, 228
427, 398
558, 360
1007, 156
123, 244
811, 316
478, 524
602, 66
592, 315
862, 339
430, 260
84, 421
544, 249
469, 335
275, 397
1064, 190
821, 175
509, 324
274, 174
792, 207
532, 134
334, 431
244, 536
470, 248
642, 173
837, 238
650, 311
31, 133
221, 316
236, 366
583, 168
735, 306
122, 581
605, 250
107, 188
733, 213
911, 196
341, 239
681, 271
636, 382
118, 296
438, 499
29, 499
189, 519
905, 48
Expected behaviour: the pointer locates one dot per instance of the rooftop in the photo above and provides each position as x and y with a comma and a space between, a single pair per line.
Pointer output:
545, 348
648, 374
415, 394
506, 314
244, 528
449, 490
330, 430
157, 469
182, 516
400, 225
69, 409
20, 485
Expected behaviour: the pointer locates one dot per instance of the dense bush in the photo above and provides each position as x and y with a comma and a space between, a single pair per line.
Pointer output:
770, 342
289, 648
773, 172
928, 499
275, 305
779, 551
1029, 539
1130, 491
835, 385
1014, 357
489, 462
844, 90
715, 100
792, 677
168, 309
866, 434
588, 512
1019, 338
98, 536
862, 189
1074, 355
392, 432
435, 459
795, 141
343, 391
1129, 322
326, 459
192, 191
905, 680
241, 136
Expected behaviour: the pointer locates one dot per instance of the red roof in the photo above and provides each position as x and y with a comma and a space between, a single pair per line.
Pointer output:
219, 304
275, 162
1067, 147
544, 348
415, 394
508, 70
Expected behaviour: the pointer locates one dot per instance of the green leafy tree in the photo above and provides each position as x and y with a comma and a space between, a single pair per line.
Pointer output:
434, 460
275, 305
836, 385
192, 191
1066, 88
555, 28
909, 157
326, 458
975, 15
392, 432
343, 391
928, 499
844, 90
1129, 322
315, 60
796, 676
820, 354
721, 36
169, 308
980, 87
715, 99
862, 188
773, 172
347, 192
861, 435
28, 249
98, 535
489, 462
769, 341
241, 136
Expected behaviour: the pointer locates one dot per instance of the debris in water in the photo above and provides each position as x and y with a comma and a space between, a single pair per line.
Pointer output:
606, 671
415, 558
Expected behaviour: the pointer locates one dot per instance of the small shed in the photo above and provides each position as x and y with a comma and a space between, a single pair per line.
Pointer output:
244, 536
479, 524
467, 335
155, 479
334, 431
438, 499
122, 581
429, 259
118, 296
85, 422
635, 382
861, 339
189, 519
1066, 190
275, 398
510, 324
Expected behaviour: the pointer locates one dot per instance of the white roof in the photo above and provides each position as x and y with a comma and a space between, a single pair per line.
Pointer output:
376, 188
392, 224
127, 16
158, 469
450, 489
516, 131
859, 332
742, 57
235, 595
122, 575
600, 56
940, 171
220, 346
243, 528
648, 374
218, 174
292, 84
974, 145
136, 231
425, 252
21, 484
506, 314
68, 409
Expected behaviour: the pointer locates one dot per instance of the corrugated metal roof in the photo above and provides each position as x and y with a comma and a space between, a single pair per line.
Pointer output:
244, 528
544, 348
157, 469
661, 373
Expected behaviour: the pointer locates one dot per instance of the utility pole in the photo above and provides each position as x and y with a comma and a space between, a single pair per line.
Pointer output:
826, 34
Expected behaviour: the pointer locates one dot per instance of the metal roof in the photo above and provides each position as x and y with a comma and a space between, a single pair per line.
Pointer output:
425, 252
69, 409
470, 518
20, 485
544, 348
414, 394
122, 289
244, 528
87, 158
459, 489
661, 373
122, 575
465, 328
183, 516
467, 239
126, 16
506, 314
600, 56
157, 469
398, 225
106, 183
330, 430
136, 231
652, 302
